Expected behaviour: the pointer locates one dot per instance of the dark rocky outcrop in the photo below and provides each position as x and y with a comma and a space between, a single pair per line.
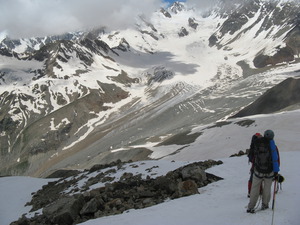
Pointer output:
213, 40
159, 75
123, 78
283, 55
123, 46
63, 173
283, 95
261, 61
233, 23
165, 13
293, 38
240, 153
183, 32
192, 23
130, 192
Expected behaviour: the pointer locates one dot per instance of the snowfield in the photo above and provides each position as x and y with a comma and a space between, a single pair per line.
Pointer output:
15, 192
222, 202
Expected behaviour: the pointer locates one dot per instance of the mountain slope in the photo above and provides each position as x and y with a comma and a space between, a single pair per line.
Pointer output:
281, 96
92, 94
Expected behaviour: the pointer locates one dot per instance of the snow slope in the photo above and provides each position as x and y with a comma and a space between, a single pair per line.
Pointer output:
227, 137
15, 192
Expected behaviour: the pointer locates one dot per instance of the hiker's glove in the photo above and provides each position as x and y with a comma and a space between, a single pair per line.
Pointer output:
280, 178
276, 175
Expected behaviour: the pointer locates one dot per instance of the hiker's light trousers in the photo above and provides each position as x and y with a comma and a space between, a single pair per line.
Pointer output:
258, 179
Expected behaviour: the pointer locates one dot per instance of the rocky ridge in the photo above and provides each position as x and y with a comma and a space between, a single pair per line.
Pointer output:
65, 202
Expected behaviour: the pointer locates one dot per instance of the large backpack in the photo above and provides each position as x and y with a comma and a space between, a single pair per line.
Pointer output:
262, 156
251, 150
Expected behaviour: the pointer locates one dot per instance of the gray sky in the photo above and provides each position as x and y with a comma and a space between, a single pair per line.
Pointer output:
28, 18
202, 3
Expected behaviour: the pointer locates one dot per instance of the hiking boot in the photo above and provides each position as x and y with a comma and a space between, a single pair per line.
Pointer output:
250, 211
263, 207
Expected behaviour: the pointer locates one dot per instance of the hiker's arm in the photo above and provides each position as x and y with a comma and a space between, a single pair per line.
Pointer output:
274, 156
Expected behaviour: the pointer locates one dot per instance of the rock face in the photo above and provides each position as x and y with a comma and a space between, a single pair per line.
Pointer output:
130, 192
183, 32
293, 38
165, 13
286, 94
283, 55
192, 23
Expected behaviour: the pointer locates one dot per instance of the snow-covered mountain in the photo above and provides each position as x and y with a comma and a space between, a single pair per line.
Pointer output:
86, 98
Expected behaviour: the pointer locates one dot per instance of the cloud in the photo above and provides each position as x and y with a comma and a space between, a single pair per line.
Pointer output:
201, 4
28, 18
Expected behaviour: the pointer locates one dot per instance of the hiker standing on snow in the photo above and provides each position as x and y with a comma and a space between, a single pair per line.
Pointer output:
266, 167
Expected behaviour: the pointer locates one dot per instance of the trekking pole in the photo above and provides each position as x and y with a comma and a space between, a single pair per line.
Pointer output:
273, 203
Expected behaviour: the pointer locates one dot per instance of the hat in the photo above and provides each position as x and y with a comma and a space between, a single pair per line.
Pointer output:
269, 134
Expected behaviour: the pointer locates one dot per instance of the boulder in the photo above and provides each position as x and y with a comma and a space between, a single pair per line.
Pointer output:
166, 184
187, 187
193, 172
64, 210
90, 207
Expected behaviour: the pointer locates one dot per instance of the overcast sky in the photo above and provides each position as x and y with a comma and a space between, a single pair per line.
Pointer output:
28, 18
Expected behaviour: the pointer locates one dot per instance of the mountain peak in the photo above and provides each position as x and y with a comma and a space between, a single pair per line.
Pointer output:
177, 7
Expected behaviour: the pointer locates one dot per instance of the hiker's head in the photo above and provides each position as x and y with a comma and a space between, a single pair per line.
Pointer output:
269, 134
